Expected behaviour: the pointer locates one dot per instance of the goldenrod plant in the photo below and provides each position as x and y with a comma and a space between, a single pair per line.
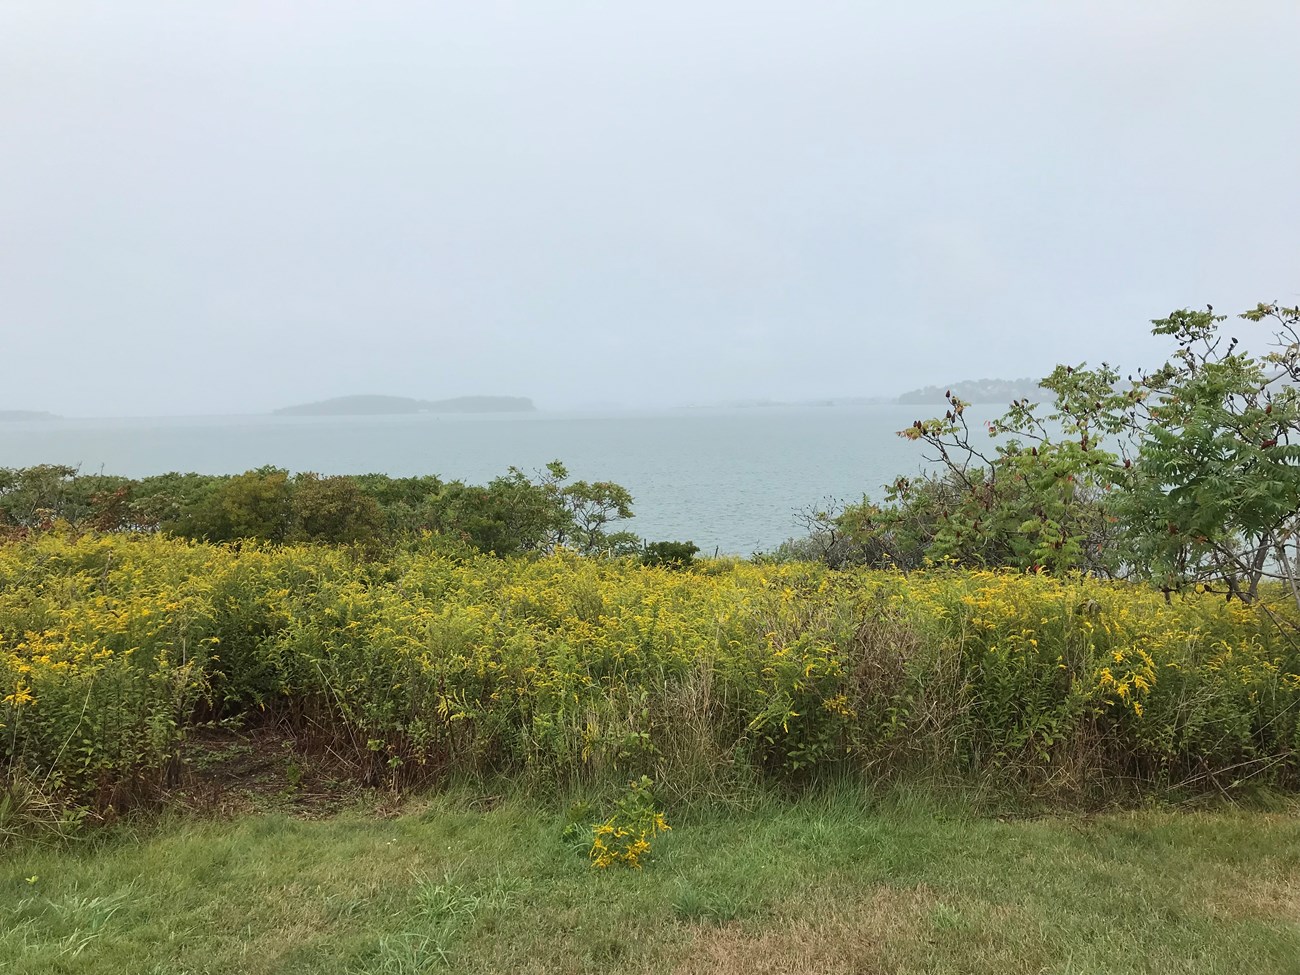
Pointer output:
572, 670
625, 837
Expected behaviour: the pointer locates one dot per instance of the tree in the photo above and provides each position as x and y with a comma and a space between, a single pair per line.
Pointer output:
589, 509
34, 496
1212, 496
516, 514
1185, 475
670, 555
335, 510
1033, 498
256, 504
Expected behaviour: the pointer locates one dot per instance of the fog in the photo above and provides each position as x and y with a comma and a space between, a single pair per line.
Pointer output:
229, 207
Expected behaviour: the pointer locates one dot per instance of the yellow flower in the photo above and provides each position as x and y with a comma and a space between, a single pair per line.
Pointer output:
19, 697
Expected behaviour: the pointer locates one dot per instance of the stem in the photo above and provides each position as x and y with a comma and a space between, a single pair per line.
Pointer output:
1290, 575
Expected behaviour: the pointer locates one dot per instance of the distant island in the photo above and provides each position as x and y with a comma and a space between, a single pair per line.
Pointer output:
1001, 391
393, 405
27, 415
762, 404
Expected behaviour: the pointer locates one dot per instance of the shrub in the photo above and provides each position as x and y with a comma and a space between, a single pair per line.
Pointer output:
707, 678
671, 555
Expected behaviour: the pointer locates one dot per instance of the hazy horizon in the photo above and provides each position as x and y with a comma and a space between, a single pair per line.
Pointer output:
234, 207
589, 407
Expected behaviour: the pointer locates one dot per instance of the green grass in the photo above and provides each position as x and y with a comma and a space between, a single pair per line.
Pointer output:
833, 883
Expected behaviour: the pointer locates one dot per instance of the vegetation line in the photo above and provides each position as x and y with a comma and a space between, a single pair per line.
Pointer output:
1099, 606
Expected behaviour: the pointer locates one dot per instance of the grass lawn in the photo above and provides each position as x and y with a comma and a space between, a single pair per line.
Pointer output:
833, 883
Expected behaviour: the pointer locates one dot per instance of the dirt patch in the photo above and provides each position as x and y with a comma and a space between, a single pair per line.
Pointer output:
227, 772
837, 939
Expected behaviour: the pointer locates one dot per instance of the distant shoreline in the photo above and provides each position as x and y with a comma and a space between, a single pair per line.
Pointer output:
366, 405
976, 392
1002, 391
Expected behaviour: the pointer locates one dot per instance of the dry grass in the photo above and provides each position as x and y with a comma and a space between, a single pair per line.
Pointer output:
1264, 898
886, 930
695, 756
834, 938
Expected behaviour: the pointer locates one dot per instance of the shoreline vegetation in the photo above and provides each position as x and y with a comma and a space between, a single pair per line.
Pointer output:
714, 677
1049, 614
1099, 613
301, 757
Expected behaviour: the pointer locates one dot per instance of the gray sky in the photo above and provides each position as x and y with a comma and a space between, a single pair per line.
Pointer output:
230, 206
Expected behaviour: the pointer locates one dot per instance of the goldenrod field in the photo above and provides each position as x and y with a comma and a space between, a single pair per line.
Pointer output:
569, 669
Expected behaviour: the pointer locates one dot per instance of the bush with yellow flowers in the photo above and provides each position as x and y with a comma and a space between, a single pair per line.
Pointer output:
576, 669
624, 839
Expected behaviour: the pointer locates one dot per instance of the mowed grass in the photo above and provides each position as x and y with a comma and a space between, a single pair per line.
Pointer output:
834, 883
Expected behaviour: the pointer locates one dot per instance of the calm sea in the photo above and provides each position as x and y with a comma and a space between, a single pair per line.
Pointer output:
731, 480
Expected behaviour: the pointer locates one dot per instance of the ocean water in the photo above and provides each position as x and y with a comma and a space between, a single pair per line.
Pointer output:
731, 480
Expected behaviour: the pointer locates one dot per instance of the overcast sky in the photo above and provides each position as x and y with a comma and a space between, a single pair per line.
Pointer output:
224, 206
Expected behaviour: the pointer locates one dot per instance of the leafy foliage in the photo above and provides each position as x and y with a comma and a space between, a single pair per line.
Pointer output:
1188, 474
1213, 494
512, 514
671, 555
624, 838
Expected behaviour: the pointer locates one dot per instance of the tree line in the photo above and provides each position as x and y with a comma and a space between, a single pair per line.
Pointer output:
512, 514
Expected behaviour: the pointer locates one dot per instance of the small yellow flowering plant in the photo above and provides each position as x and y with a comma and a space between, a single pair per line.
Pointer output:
625, 837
